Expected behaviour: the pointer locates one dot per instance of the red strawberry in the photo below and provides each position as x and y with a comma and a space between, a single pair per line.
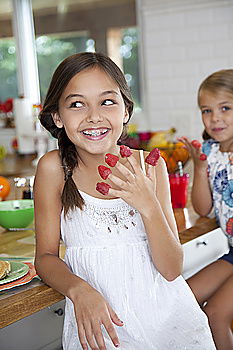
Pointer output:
125, 151
111, 159
153, 157
102, 187
203, 156
196, 144
104, 171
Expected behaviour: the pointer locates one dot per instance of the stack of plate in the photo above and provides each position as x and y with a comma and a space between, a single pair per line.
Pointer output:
21, 273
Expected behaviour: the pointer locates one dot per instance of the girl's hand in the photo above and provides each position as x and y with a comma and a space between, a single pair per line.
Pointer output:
138, 189
93, 312
195, 152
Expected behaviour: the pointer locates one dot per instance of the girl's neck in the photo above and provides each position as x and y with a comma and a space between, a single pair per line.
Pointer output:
89, 160
226, 146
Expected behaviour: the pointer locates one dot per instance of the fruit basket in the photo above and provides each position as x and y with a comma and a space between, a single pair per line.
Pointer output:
174, 153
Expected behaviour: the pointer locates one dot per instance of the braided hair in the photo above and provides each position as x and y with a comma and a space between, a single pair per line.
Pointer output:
221, 80
67, 69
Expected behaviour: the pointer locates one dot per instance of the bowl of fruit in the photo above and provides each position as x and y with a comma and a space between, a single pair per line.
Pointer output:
173, 154
171, 151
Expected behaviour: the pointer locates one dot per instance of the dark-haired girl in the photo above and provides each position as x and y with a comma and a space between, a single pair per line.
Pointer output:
121, 274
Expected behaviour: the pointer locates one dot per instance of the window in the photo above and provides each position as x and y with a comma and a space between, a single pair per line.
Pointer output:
122, 45
51, 50
129, 52
8, 86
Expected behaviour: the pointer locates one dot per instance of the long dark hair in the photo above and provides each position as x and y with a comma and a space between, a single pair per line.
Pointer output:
220, 80
67, 69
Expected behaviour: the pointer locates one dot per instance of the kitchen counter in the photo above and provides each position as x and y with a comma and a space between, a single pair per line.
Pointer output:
23, 301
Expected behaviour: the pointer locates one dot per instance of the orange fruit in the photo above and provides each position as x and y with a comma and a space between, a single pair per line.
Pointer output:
164, 155
4, 187
180, 154
172, 165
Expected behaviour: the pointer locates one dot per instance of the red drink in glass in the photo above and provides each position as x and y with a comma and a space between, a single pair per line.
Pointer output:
179, 189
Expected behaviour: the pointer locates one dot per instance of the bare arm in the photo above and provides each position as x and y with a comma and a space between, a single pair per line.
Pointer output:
47, 192
150, 195
91, 309
201, 193
164, 240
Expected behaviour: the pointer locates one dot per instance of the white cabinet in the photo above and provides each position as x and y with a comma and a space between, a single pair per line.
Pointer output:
203, 250
42, 330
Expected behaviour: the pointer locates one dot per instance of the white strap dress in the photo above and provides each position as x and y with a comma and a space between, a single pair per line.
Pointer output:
107, 246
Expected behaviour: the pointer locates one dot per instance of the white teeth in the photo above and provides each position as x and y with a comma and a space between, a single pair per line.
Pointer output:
95, 132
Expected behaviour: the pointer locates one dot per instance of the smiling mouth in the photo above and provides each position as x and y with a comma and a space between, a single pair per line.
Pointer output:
218, 129
95, 132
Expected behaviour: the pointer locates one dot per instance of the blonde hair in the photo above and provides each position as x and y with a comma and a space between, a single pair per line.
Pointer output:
221, 80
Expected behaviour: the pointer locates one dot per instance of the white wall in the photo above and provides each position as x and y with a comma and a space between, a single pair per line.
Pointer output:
182, 41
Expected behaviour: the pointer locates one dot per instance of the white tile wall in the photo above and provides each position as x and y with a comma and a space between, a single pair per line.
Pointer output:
182, 42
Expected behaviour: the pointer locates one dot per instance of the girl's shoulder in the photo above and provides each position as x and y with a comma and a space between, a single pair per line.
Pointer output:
210, 146
50, 164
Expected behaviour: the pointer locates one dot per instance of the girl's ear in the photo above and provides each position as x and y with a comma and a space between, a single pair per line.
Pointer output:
126, 117
57, 120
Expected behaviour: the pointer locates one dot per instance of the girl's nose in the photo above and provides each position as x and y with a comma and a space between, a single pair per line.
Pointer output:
215, 116
94, 116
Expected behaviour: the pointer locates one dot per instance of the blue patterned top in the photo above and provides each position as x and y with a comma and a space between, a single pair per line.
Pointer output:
220, 173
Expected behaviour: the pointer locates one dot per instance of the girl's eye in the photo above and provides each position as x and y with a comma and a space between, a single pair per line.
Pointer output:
108, 102
225, 108
205, 111
76, 104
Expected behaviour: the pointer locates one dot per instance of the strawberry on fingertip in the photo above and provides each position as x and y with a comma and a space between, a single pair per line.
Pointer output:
203, 156
111, 159
125, 151
104, 171
196, 144
153, 157
102, 187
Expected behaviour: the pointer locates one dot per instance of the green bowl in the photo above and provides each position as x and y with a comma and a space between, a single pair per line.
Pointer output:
16, 213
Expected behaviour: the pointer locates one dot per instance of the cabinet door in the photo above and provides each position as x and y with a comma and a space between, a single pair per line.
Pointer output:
203, 250
42, 330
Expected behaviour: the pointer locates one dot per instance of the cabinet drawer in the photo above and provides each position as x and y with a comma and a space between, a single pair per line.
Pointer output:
42, 330
203, 250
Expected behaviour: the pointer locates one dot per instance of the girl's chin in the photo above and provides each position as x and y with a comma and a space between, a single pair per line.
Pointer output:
96, 149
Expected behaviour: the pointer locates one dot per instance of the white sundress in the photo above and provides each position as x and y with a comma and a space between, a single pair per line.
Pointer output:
107, 246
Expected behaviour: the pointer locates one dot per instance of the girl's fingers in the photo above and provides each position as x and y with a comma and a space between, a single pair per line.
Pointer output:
150, 171
99, 337
129, 175
90, 337
117, 193
82, 338
194, 151
110, 329
118, 182
114, 317
135, 166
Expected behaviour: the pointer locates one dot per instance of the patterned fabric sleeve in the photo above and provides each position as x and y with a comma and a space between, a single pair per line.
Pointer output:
206, 146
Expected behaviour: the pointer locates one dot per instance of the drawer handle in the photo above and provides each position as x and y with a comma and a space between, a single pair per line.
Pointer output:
202, 243
59, 311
